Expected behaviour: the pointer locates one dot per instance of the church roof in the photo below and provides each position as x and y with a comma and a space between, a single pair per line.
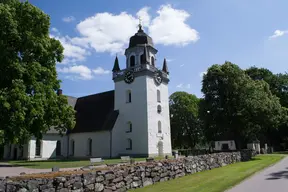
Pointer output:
140, 38
95, 113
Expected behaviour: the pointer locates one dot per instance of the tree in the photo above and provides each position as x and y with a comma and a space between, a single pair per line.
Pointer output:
28, 79
235, 106
278, 85
186, 129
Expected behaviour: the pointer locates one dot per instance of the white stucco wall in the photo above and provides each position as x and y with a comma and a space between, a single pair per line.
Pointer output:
231, 144
100, 144
142, 112
136, 113
48, 146
153, 117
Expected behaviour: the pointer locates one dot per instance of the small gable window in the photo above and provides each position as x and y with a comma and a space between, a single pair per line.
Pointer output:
158, 96
129, 144
128, 96
132, 61
129, 127
159, 127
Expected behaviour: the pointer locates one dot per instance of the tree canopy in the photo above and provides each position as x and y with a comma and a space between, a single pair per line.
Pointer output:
29, 104
235, 106
186, 129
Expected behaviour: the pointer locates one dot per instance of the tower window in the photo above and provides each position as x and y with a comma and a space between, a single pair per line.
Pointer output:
129, 127
142, 59
89, 146
158, 96
38, 148
159, 127
129, 143
128, 96
132, 61
153, 61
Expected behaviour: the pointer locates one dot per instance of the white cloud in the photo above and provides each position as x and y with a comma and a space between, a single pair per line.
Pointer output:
144, 16
184, 86
278, 33
81, 72
101, 71
201, 74
68, 19
72, 53
55, 30
169, 27
182, 65
107, 32
77, 72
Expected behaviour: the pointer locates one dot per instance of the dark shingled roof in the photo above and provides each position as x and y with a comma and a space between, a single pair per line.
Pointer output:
95, 113
140, 38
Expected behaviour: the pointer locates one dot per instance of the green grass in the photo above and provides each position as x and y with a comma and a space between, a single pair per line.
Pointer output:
63, 163
216, 180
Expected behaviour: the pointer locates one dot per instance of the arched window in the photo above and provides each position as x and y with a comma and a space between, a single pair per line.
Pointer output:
38, 148
58, 148
128, 96
158, 96
129, 144
132, 61
152, 61
89, 147
129, 127
72, 147
159, 127
142, 59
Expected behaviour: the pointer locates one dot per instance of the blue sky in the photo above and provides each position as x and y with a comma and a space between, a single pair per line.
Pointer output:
191, 34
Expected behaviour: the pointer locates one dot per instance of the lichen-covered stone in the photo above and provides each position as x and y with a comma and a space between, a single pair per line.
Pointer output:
121, 178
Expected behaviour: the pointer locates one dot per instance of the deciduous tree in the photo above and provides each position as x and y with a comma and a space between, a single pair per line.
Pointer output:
235, 106
28, 79
186, 130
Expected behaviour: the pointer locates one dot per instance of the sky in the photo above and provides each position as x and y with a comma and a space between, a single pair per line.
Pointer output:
191, 34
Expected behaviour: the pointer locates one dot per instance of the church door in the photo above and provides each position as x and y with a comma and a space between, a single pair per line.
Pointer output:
160, 148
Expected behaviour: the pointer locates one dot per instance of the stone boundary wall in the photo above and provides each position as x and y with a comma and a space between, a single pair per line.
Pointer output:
121, 177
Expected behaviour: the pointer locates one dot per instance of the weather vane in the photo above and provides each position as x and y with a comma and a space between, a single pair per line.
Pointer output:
140, 20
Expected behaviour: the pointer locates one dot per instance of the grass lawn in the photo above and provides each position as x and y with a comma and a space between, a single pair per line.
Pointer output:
63, 163
216, 180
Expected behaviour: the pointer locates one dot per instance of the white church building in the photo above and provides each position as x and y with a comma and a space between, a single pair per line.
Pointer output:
133, 119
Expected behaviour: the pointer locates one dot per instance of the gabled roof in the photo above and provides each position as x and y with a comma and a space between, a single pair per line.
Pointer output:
95, 113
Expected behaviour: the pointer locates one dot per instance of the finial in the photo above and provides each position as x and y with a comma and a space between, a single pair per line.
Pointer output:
140, 24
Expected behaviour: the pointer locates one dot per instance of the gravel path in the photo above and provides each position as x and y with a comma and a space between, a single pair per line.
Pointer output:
272, 179
8, 170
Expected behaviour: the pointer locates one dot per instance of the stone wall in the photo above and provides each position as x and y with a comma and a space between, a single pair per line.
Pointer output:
120, 177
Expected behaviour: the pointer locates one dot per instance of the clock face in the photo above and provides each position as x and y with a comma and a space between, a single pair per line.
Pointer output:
158, 77
129, 77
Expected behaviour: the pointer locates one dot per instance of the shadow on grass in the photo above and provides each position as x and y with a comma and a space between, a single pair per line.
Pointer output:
17, 165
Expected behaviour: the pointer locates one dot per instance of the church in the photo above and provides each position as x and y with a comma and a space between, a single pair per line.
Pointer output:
133, 119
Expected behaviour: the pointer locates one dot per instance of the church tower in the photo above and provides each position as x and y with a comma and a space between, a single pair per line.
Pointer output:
142, 99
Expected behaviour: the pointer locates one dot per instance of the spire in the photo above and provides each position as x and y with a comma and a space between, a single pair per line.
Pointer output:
116, 65
165, 68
